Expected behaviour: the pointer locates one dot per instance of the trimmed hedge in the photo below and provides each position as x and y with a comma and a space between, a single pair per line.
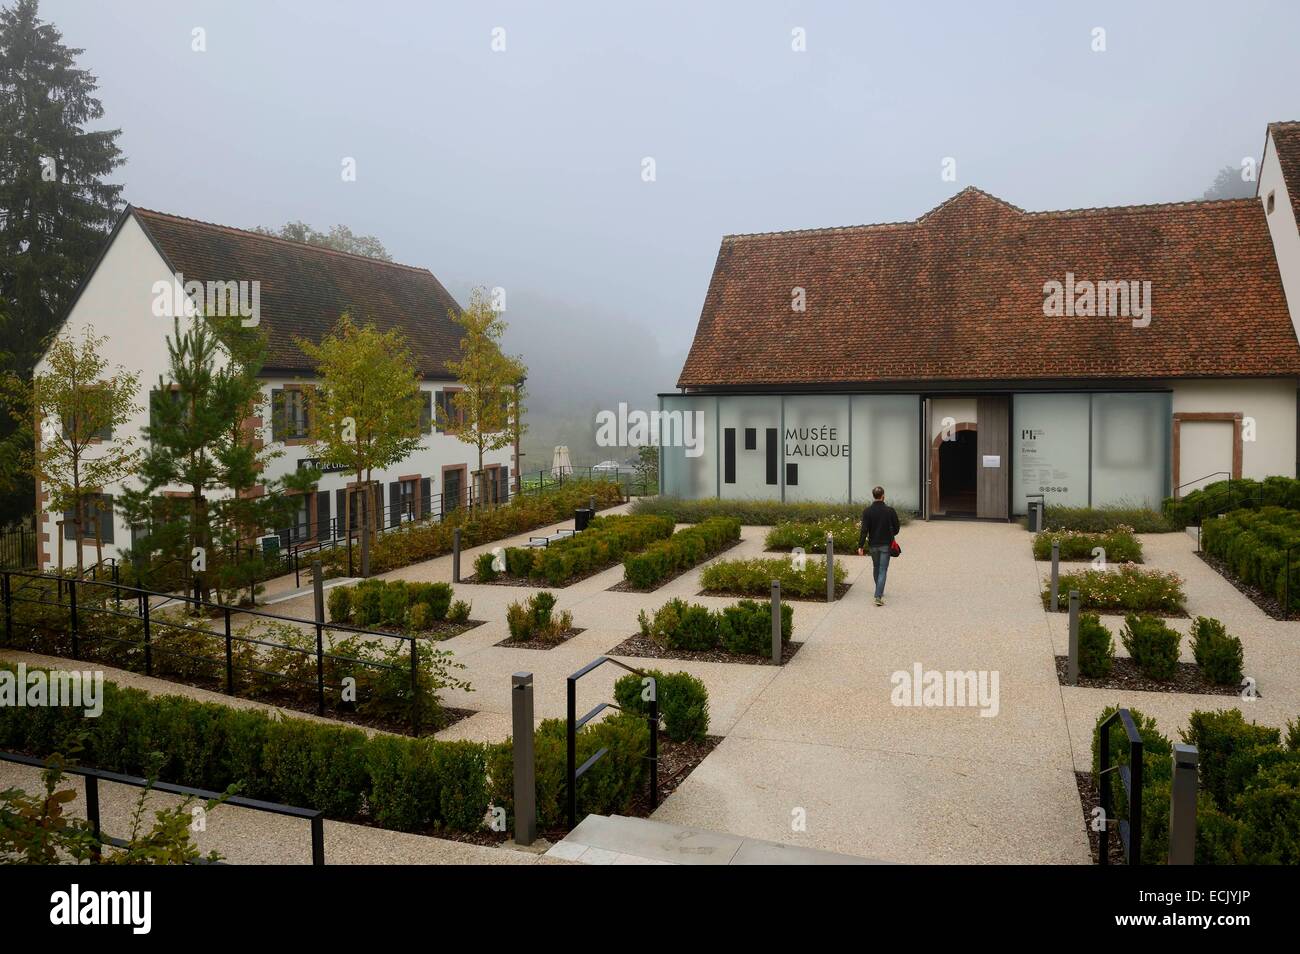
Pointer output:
424, 540
1104, 519
754, 577
683, 702
744, 628
1252, 545
1119, 544
535, 619
1248, 807
1152, 645
392, 781
1121, 589
811, 537
606, 541
1225, 496
683, 550
1220, 656
1096, 647
751, 513
394, 604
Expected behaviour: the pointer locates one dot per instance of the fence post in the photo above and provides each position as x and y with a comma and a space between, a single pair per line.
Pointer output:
320, 668
830, 568
1072, 667
571, 753
415, 686
9, 610
92, 809
1135, 802
318, 590
318, 840
230, 660
455, 554
654, 747
1103, 795
1182, 806
72, 616
148, 646
1056, 576
521, 707
776, 622
365, 537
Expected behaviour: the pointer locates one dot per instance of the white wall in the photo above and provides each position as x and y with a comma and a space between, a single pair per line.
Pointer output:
1282, 227
1271, 403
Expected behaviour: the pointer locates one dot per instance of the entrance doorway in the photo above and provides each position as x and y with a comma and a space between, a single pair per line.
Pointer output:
957, 474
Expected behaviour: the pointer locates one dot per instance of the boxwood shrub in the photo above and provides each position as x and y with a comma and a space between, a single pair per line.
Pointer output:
1252, 545
683, 702
1152, 645
389, 604
1102, 519
744, 628
1219, 655
754, 577
1224, 496
392, 781
1096, 647
606, 541
683, 550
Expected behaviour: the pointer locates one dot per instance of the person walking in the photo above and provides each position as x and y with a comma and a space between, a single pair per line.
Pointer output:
879, 527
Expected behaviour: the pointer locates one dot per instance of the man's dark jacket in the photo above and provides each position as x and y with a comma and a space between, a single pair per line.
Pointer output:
879, 525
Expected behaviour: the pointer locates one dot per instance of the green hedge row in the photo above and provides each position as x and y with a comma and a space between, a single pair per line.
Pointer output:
744, 629
415, 542
1253, 544
1224, 496
1121, 589
683, 550
754, 577
751, 513
606, 541
1119, 544
1102, 519
811, 537
1248, 807
396, 604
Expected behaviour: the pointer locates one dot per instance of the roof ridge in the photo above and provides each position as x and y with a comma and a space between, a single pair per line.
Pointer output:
820, 230
276, 238
967, 191
1145, 206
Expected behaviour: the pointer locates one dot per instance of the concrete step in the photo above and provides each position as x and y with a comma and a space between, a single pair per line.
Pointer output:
620, 840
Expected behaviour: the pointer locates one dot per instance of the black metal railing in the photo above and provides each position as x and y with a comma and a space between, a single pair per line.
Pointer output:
1130, 776
78, 602
573, 771
17, 548
94, 776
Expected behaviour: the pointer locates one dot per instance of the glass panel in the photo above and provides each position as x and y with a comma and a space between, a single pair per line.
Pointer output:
1049, 455
688, 447
816, 439
750, 466
886, 437
1130, 449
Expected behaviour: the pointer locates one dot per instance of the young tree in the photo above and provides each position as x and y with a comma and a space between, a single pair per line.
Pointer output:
488, 410
364, 413
55, 204
78, 406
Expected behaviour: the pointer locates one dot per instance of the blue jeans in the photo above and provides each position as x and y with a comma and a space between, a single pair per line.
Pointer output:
880, 567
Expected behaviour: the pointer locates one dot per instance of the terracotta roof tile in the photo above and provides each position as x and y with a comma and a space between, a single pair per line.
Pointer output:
305, 288
1286, 137
958, 295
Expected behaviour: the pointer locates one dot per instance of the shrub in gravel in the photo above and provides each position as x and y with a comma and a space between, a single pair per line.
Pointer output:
1122, 589
1219, 655
1096, 647
340, 604
485, 567
1152, 644
1118, 545
754, 577
746, 627
683, 702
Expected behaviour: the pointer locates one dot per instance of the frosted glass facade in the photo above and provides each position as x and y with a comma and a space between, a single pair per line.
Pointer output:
1049, 449
1130, 448
816, 448
750, 446
885, 452
688, 425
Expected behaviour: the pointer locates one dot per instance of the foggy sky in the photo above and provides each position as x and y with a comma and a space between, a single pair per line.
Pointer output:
522, 168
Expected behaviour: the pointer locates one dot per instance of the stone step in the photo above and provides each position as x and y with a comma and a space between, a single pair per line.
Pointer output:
618, 839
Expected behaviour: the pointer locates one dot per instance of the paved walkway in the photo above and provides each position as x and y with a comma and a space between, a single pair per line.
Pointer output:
816, 754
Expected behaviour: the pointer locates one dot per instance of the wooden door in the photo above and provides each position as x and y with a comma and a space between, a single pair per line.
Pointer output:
993, 469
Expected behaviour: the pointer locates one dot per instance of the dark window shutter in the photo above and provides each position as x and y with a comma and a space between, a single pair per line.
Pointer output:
322, 515
505, 483
426, 497
69, 525
379, 502
338, 510
426, 411
443, 409
395, 502
106, 518
277, 415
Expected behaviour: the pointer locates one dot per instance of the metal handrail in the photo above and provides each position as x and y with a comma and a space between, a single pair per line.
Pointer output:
1130, 776
573, 771
94, 776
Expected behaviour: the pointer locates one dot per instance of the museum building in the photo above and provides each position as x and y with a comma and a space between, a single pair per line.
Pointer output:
982, 354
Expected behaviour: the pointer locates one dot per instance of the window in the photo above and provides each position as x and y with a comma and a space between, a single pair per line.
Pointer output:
288, 414
426, 411
96, 510
447, 410
93, 410
1272, 200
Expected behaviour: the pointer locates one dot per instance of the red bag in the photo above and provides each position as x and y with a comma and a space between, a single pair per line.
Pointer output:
895, 550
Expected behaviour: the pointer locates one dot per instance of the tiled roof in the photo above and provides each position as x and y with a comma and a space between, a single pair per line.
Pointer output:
1286, 137
305, 289
958, 295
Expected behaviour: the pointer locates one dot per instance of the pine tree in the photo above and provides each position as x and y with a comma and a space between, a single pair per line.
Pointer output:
55, 206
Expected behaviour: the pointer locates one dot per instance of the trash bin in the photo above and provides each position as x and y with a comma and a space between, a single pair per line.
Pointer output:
1035, 522
581, 517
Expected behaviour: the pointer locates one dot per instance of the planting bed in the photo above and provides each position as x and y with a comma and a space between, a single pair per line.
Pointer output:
644, 647
1124, 674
